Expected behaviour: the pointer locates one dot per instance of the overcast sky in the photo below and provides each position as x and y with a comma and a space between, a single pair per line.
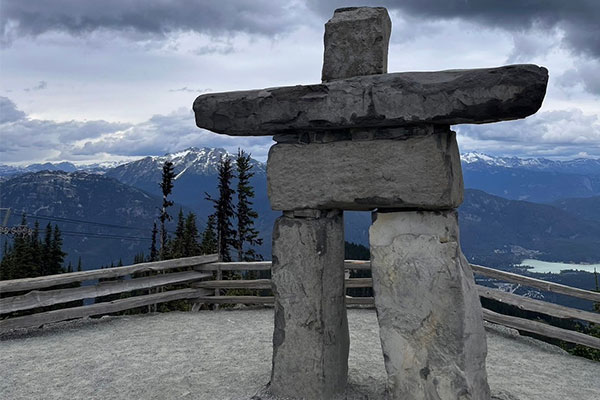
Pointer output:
87, 81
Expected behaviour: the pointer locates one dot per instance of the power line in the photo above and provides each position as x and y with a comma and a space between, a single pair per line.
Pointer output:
103, 236
79, 221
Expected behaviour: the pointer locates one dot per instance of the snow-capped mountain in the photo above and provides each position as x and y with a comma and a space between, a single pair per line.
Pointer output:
532, 179
575, 166
96, 168
195, 175
146, 172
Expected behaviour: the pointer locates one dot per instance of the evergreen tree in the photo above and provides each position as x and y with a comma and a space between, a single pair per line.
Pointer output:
6, 262
139, 258
28, 257
79, 268
46, 256
177, 244
153, 250
5, 248
36, 249
247, 235
208, 245
224, 210
23, 263
190, 237
167, 186
57, 255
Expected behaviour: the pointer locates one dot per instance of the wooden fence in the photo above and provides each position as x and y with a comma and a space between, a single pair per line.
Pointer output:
33, 298
202, 288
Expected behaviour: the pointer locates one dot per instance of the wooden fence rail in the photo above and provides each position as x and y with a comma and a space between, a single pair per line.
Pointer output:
108, 307
18, 285
536, 283
209, 291
36, 298
542, 329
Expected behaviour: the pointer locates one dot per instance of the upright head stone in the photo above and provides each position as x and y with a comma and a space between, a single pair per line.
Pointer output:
356, 42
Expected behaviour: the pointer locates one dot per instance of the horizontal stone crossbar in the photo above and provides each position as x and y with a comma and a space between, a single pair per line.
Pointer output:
387, 100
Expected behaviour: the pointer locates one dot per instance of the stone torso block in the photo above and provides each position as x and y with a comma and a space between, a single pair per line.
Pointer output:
413, 172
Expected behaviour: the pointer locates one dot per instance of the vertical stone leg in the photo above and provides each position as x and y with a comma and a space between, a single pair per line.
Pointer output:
311, 340
430, 318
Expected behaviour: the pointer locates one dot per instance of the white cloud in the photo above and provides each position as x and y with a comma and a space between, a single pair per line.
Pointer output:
28, 140
114, 80
163, 134
561, 133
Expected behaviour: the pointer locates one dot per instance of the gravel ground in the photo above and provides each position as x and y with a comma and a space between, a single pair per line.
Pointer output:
214, 355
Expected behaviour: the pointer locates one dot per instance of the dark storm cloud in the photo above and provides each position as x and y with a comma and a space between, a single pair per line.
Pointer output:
9, 111
584, 74
157, 17
578, 18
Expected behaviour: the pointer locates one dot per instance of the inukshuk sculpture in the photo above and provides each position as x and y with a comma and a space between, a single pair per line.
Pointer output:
367, 140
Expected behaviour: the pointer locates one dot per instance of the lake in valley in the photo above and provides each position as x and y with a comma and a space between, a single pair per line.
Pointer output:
556, 267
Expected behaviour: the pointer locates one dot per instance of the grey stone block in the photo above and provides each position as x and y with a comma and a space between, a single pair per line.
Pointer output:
421, 172
356, 42
430, 318
389, 100
311, 340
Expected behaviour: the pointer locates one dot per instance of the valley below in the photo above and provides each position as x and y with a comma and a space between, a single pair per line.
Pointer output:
515, 212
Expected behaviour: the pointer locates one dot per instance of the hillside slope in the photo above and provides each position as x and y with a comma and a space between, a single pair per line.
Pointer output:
86, 197
494, 228
586, 207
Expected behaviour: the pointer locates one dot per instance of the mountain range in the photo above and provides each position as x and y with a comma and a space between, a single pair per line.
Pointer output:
538, 180
497, 226
117, 218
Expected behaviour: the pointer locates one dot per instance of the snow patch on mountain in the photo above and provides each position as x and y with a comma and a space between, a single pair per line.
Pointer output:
577, 166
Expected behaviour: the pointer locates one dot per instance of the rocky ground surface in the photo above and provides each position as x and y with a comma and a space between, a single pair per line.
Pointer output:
214, 355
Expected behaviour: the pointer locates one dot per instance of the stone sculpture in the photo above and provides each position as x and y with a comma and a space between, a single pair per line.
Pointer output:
367, 140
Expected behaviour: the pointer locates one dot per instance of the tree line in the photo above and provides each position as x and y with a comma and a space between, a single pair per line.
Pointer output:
30, 256
229, 229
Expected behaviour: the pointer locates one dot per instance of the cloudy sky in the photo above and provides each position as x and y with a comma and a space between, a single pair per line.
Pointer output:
88, 81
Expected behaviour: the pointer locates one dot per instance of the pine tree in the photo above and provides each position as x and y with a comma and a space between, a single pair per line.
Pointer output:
208, 245
57, 255
247, 235
79, 268
24, 265
36, 249
6, 264
139, 258
224, 210
190, 237
46, 257
153, 250
177, 244
167, 186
